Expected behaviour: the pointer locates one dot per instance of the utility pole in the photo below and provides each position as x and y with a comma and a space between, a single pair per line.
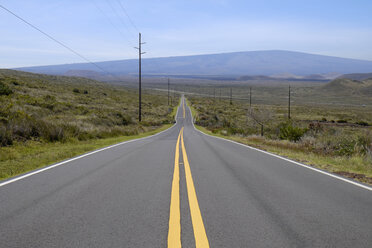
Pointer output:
139, 75
171, 99
262, 130
214, 94
220, 93
250, 97
230, 96
289, 102
168, 91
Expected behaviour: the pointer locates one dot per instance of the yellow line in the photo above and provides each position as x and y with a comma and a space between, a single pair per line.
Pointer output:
174, 231
201, 240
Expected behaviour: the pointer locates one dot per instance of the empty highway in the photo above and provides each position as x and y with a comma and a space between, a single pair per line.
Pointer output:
183, 188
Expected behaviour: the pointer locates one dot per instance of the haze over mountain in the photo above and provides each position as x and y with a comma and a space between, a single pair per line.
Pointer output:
237, 64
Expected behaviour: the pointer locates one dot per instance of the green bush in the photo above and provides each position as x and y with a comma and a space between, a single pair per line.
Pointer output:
342, 121
123, 119
5, 137
364, 144
4, 89
52, 133
345, 147
288, 132
362, 123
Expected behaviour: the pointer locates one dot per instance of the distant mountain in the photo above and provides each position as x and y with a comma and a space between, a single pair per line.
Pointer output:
82, 73
256, 77
288, 77
229, 65
357, 76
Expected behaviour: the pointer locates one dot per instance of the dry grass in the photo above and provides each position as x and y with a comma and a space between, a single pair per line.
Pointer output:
342, 148
44, 119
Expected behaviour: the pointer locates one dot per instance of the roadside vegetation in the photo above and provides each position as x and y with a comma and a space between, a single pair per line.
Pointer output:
333, 137
44, 119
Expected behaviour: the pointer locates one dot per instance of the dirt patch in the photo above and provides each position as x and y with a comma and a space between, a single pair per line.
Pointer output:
355, 176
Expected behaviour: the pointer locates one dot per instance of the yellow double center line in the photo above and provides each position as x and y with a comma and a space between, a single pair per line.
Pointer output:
174, 232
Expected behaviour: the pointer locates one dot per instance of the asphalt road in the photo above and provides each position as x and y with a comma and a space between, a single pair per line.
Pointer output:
204, 192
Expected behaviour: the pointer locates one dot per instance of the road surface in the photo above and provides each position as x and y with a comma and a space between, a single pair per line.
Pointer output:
183, 188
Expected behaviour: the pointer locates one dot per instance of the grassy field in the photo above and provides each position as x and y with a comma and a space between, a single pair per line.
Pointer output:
333, 137
275, 92
45, 119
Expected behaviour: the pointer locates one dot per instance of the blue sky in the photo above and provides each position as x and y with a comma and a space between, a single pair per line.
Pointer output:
99, 29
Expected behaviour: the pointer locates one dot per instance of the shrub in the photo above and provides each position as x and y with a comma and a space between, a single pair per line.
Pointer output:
342, 121
14, 82
309, 142
5, 137
53, 133
288, 132
315, 127
4, 89
362, 123
345, 147
364, 144
49, 98
123, 119
85, 92
75, 90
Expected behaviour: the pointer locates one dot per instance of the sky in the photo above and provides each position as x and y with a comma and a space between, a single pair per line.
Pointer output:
101, 31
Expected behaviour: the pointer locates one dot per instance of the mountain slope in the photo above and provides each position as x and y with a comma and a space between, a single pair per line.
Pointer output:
349, 86
237, 64
357, 76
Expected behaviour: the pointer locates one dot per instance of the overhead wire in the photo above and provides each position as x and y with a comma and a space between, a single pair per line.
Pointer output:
55, 40
120, 18
126, 13
112, 23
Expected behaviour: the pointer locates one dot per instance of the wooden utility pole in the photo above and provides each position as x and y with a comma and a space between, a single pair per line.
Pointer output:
168, 91
262, 130
230, 95
139, 75
289, 102
250, 97
214, 94
220, 93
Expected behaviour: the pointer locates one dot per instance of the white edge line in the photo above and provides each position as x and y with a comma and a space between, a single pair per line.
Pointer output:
81, 156
286, 159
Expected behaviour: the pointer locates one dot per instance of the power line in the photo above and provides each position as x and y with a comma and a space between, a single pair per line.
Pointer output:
112, 23
126, 13
54, 39
120, 18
